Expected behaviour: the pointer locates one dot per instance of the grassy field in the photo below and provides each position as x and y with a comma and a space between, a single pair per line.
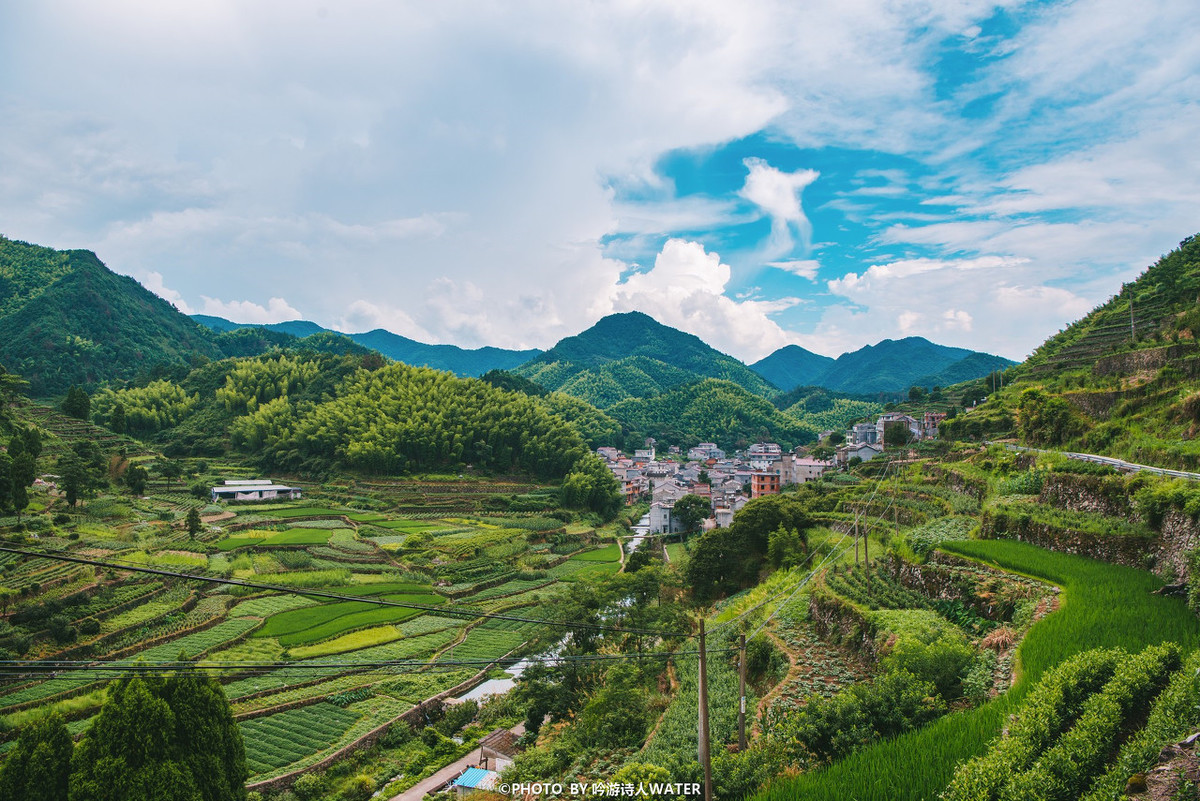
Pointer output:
1102, 605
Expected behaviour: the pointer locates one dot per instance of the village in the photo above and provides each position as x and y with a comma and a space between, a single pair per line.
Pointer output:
728, 482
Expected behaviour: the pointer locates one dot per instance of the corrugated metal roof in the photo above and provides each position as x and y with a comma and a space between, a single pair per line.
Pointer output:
477, 779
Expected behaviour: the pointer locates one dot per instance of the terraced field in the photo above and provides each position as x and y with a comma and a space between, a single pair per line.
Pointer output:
336, 689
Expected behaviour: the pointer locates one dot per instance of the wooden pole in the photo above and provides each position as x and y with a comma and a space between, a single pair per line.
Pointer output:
705, 757
742, 693
856, 539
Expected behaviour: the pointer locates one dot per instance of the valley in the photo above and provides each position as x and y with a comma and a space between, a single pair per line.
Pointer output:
936, 601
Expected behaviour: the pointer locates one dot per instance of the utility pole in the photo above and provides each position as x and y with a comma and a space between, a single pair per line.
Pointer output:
742, 693
705, 759
856, 539
1132, 333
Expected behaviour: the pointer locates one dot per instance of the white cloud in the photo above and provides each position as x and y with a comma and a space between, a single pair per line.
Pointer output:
685, 290
363, 315
348, 160
277, 309
154, 282
853, 284
805, 268
957, 318
993, 304
778, 194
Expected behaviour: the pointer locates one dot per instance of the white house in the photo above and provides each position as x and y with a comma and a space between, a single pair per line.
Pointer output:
661, 519
253, 490
866, 452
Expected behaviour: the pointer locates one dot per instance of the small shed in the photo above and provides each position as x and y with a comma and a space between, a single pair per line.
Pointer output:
497, 750
473, 779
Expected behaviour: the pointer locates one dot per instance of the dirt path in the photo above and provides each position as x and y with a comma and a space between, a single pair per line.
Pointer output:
765, 702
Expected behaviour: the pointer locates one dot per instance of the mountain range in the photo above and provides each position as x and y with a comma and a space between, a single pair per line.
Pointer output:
889, 366
460, 361
67, 319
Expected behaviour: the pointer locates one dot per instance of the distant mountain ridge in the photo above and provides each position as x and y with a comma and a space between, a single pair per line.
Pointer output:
460, 361
892, 365
632, 355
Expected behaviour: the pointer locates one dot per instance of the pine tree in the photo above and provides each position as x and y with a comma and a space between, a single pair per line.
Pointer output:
193, 522
207, 735
131, 752
38, 766
77, 403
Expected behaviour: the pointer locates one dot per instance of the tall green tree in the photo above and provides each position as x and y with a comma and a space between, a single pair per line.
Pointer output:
691, 511
6, 482
193, 523
171, 470
131, 751
591, 485
207, 736
896, 433
77, 403
135, 478
74, 477
116, 418
161, 740
38, 766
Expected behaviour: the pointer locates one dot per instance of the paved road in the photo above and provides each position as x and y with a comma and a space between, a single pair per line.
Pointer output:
1119, 464
447, 774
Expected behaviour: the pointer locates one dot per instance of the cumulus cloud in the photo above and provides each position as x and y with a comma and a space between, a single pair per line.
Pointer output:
993, 304
350, 159
685, 290
363, 315
852, 284
277, 309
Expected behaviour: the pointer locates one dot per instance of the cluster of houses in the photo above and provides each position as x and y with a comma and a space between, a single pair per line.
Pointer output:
729, 482
865, 441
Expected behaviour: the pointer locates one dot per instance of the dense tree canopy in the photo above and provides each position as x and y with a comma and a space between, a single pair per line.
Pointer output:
38, 766
168, 740
402, 417
725, 559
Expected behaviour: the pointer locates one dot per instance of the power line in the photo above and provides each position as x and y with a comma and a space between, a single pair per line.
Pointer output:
808, 577
468, 613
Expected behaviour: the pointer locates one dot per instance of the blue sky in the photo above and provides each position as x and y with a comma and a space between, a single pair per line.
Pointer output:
757, 173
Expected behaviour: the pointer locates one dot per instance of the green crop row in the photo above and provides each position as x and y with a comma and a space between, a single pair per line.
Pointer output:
1049, 710
1064, 772
279, 740
1103, 605
293, 536
268, 605
1175, 714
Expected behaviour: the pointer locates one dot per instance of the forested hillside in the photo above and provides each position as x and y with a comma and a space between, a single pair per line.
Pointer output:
310, 412
66, 319
85, 324
887, 368
712, 411
460, 361
632, 355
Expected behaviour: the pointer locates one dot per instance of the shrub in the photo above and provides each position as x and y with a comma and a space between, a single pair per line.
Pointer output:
309, 787
894, 703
